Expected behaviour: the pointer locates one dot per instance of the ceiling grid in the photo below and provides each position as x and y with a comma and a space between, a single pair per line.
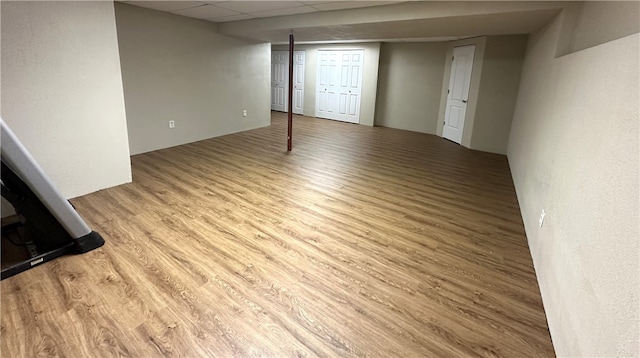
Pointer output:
225, 11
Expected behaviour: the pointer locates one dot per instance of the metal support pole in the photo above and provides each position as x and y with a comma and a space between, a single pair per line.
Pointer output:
290, 95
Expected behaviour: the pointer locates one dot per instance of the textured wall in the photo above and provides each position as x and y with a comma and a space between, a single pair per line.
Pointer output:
409, 85
497, 94
591, 23
178, 68
573, 152
62, 91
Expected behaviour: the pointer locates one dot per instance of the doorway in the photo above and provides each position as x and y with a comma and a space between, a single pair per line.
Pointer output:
339, 84
280, 81
458, 92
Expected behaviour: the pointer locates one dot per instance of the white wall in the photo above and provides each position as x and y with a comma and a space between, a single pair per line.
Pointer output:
369, 79
178, 68
409, 85
62, 91
573, 152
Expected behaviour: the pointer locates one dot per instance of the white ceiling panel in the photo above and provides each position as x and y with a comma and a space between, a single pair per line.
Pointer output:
233, 18
236, 10
282, 12
249, 7
206, 12
318, 2
497, 23
397, 21
166, 5
341, 5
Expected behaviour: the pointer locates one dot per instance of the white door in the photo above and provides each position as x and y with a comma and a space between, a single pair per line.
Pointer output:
280, 81
298, 81
339, 84
350, 86
458, 93
326, 85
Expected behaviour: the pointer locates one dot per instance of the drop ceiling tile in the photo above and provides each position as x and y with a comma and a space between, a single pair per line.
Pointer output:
232, 18
341, 5
282, 12
249, 7
316, 2
165, 5
206, 12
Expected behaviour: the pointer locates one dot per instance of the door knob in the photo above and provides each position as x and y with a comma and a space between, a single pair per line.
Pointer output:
464, 101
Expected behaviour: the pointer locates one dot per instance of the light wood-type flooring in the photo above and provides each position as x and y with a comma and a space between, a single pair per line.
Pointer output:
363, 241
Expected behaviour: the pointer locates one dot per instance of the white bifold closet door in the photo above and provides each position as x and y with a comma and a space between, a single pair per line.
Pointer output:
280, 81
339, 84
298, 82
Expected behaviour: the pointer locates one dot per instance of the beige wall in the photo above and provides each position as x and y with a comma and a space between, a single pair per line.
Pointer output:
62, 91
573, 152
474, 87
178, 68
497, 94
409, 85
591, 23
369, 79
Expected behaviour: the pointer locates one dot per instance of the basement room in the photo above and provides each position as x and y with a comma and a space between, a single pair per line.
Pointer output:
320, 178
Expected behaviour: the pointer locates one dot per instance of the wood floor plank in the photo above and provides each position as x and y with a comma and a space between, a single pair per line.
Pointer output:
362, 241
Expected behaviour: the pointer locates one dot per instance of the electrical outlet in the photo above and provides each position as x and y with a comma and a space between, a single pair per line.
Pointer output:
172, 124
244, 112
541, 221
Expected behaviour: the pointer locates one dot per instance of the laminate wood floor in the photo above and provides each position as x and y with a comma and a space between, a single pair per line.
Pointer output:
361, 242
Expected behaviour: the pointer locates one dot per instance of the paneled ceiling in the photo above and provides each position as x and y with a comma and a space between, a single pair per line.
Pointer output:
351, 21
225, 11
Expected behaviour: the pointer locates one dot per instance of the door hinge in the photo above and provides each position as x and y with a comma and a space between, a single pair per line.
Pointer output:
452, 57
448, 91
